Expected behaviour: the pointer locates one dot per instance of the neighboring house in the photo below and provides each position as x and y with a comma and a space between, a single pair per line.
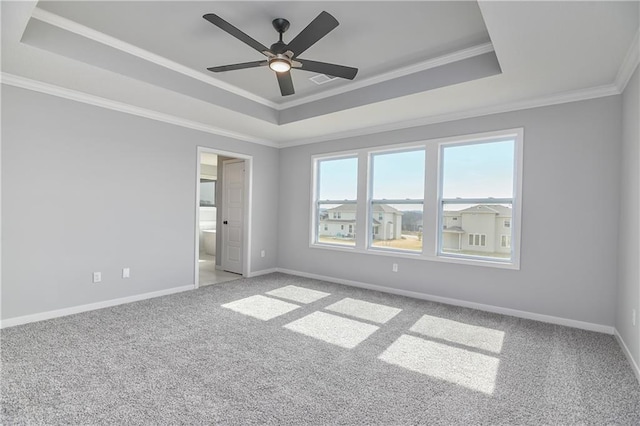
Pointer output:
484, 228
340, 222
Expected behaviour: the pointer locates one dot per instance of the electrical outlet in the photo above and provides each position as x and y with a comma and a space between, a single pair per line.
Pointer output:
263, 253
633, 317
97, 277
394, 268
126, 273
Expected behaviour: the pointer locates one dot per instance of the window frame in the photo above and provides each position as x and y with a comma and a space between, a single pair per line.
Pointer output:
517, 178
432, 218
315, 202
371, 201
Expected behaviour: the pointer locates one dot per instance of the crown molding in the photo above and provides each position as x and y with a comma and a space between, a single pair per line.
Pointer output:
555, 99
74, 95
62, 92
630, 63
400, 72
84, 31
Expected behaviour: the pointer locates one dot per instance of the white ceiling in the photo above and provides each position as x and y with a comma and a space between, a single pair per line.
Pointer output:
420, 61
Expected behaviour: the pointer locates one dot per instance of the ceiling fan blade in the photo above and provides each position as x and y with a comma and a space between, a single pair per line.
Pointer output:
329, 69
318, 28
286, 83
242, 66
225, 26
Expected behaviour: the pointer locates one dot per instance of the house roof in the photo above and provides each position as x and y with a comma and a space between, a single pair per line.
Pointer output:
454, 229
500, 210
338, 221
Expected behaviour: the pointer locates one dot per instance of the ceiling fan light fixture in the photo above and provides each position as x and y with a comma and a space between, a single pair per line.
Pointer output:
280, 64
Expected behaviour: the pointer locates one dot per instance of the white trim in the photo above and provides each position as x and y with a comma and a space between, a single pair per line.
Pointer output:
262, 272
196, 274
84, 31
397, 73
630, 63
248, 187
457, 302
11, 322
74, 95
627, 353
555, 99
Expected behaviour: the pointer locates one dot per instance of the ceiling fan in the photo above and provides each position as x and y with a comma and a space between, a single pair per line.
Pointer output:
281, 56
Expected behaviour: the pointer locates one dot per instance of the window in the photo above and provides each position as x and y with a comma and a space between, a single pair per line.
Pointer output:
397, 199
478, 186
336, 181
477, 240
451, 200
207, 192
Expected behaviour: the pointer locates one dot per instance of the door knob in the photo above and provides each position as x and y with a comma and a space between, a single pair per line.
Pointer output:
225, 222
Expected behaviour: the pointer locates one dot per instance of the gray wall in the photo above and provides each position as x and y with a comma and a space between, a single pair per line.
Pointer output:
628, 254
568, 266
88, 189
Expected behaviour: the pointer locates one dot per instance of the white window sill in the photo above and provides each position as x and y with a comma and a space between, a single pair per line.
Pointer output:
461, 260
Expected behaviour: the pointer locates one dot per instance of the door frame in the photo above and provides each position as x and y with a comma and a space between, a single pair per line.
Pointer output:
246, 238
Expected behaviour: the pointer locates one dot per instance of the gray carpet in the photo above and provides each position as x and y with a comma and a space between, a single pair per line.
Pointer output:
332, 356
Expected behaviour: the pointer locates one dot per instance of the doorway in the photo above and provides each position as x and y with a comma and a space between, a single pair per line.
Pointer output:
223, 211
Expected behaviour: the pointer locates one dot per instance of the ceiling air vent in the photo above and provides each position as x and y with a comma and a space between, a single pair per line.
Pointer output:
322, 79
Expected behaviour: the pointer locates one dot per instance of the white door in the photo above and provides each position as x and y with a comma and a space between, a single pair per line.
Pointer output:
232, 215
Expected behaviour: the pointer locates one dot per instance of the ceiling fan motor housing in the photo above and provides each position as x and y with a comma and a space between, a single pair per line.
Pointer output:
278, 47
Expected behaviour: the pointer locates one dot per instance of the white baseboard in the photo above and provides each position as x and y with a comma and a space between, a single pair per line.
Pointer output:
627, 353
10, 322
262, 272
457, 302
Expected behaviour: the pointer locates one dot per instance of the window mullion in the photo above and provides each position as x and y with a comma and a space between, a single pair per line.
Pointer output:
362, 210
430, 213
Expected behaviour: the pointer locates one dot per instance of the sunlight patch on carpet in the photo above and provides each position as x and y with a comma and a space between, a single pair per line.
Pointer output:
298, 294
261, 307
475, 336
333, 329
364, 310
462, 367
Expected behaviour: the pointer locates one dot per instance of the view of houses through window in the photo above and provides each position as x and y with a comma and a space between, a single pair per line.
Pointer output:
475, 199
397, 199
337, 181
477, 230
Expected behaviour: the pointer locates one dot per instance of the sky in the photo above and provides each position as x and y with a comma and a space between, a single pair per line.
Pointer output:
470, 171
478, 171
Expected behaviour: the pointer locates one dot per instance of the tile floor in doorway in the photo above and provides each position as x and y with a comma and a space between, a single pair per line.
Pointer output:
210, 275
